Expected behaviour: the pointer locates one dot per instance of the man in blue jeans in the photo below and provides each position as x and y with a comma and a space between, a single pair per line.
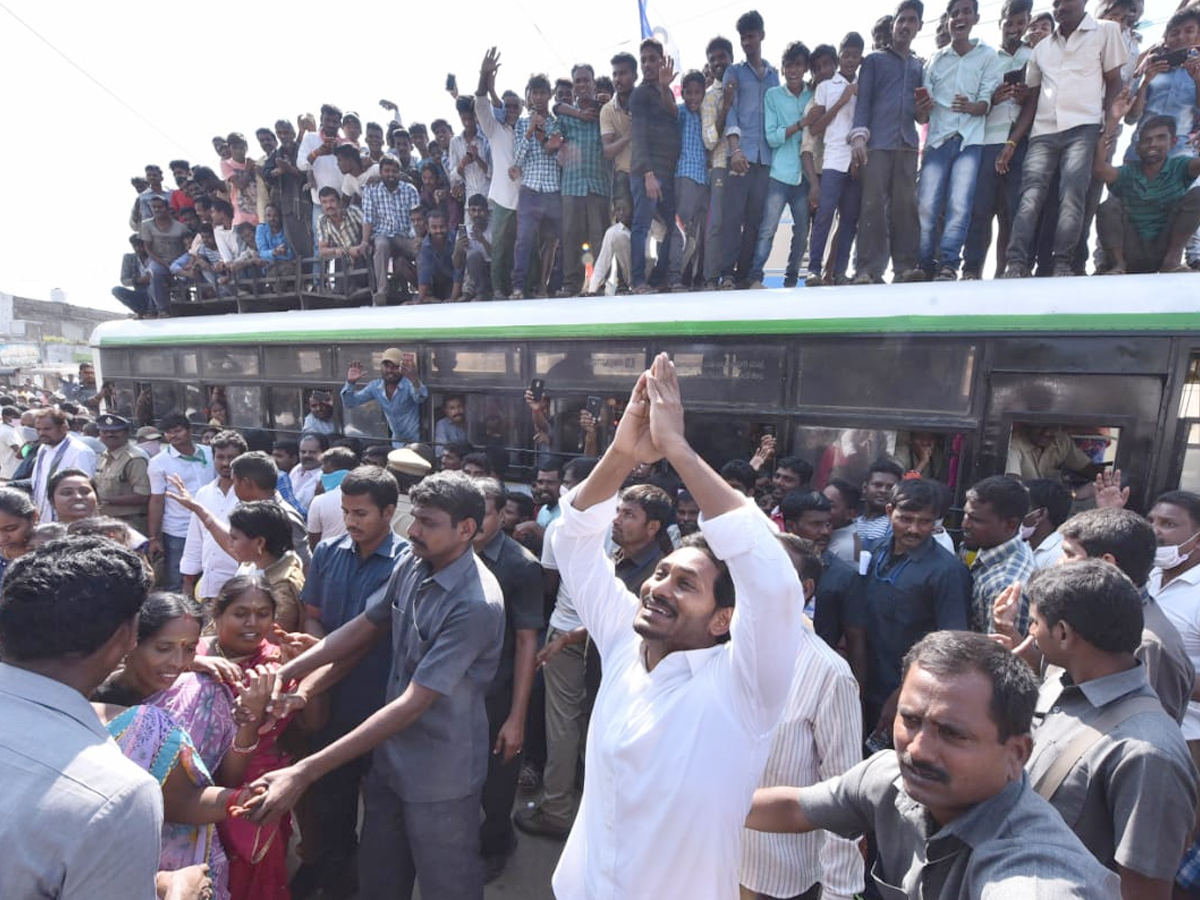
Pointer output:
784, 124
960, 80
995, 194
1073, 77
745, 193
539, 210
652, 172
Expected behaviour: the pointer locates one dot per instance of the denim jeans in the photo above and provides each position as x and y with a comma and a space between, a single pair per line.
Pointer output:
691, 200
137, 299
539, 221
995, 195
841, 194
714, 253
643, 214
160, 284
1069, 153
946, 185
779, 195
741, 214
172, 557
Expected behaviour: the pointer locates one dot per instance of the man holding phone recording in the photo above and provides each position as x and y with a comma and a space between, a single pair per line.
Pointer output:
400, 402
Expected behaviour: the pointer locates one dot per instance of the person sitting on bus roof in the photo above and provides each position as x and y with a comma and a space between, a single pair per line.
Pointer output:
1152, 208
437, 276
400, 403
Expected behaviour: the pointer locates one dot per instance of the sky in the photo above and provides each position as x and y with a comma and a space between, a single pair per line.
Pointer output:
103, 89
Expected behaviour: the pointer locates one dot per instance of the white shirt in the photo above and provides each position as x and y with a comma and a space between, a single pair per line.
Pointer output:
819, 736
1048, 552
837, 151
194, 475
1180, 601
502, 189
564, 617
227, 243
304, 483
10, 446
841, 543
1070, 74
313, 425
325, 170
674, 754
325, 515
69, 453
202, 553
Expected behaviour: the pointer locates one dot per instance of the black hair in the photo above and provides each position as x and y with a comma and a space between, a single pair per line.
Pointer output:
590, 70
822, 50
265, 519
1121, 533
287, 445
63, 474
16, 502
238, 585
535, 82
524, 503
321, 439
339, 459
1185, 500
851, 493
1167, 122
173, 420
229, 438
579, 468
804, 556
328, 109
1007, 496
548, 463
654, 501
950, 6
723, 589
464, 105
68, 598
741, 471
101, 526
886, 465
625, 59
347, 151
453, 493
258, 468
222, 206
719, 43
1096, 599
479, 458
915, 5
1015, 8
1182, 16
162, 607
652, 44
1051, 495
917, 495
328, 191
179, 164
1014, 687
802, 468
750, 21
693, 76
371, 481
796, 503
492, 490
796, 50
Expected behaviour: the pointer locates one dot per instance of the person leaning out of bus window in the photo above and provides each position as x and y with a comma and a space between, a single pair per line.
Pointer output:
1152, 208
400, 402
1044, 451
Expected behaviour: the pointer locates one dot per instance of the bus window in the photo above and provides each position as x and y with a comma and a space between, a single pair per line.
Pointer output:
123, 399
1073, 453
730, 373
365, 421
225, 363
287, 363
245, 406
718, 438
157, 400
583, 365
194, 406
845, 453
286, 408
888, 373
487, 363
154, 362
1189, 413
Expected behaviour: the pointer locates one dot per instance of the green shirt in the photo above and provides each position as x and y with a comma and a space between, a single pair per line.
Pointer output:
782, 109
581, 157
1149, 204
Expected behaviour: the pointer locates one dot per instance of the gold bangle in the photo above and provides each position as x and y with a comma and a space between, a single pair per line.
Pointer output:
1010, 143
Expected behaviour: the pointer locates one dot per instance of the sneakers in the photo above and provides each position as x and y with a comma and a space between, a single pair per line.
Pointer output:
864, 278
945, 273
532, 820
530, 778
790, 281
911, 276
1062, 270
756, 286
813, 279
517, 295
1015, 270
969, 275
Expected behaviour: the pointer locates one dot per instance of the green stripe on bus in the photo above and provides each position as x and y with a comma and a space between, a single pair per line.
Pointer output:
1067, 322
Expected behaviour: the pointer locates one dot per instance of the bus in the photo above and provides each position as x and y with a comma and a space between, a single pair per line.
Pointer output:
840, 375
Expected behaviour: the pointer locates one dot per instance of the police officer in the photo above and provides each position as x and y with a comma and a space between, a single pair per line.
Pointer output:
121, 474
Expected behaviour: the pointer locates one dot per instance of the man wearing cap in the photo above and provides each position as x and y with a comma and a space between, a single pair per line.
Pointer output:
320, 414
122, 474
149, 440
407, 467
401, 403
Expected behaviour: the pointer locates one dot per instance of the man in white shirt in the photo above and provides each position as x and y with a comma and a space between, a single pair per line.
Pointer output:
77, 819
306, 475
205, 566
692, 691
169, 521
57, 449
1073, 77
11, 441
325, 518
819, 736
502, 190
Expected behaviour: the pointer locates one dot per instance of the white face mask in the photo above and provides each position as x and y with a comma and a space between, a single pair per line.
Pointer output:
1025, 532
1168, 556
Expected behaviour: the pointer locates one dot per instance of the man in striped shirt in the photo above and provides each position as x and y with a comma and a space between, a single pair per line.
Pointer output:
539, 210
819, 736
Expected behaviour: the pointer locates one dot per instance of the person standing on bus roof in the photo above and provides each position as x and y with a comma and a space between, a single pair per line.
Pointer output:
400, 403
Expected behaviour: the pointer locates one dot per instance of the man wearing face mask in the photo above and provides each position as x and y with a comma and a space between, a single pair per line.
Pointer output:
1175, 583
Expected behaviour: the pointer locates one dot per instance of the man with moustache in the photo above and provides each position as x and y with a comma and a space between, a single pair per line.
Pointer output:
951, 809
712, 131
401, 403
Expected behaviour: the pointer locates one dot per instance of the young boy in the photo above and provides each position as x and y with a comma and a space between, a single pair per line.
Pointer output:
691, 180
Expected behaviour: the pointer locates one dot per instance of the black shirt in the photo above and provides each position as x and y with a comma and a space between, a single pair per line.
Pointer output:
655, 133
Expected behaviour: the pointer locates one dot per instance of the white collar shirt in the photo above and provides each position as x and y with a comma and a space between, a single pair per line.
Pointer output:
1069, 75
1179, 600
1048, 552
69, 453
201, 552
674, 754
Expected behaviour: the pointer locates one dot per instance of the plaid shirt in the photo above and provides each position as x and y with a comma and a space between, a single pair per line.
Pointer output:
345, 235
390, 212
582, 157
692, 155
539, 170
714, 140
993, 570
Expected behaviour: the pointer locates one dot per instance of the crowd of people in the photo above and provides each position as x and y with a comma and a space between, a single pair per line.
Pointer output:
570, 187
752, 667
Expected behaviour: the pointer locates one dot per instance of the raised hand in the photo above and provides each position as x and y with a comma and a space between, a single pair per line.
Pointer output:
1109, 493
632, 436
355, 372
666, 72
491, 63
666, 407
180, 494
1005, 609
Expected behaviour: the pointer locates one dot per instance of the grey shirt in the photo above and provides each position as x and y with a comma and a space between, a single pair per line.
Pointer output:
1132, 797
77, 819
447, 631
1168, 666
1012, 846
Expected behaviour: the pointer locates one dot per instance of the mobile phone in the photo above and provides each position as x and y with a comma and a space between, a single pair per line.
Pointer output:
593, 407
537, 387
1016, 76
451, 82
462, 232
768, 429
409, 359
1174, 58
922, 94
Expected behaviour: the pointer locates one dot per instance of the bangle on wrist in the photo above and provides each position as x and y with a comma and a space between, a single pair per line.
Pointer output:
243, 751
1010, 143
